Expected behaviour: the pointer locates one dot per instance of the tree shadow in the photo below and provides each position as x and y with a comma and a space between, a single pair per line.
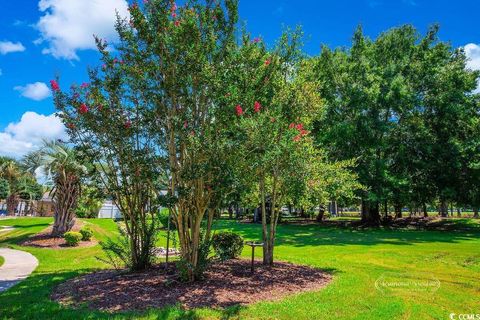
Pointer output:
318, 235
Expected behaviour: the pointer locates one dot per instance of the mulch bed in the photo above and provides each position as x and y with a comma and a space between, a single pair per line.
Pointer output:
43, 239
226, 284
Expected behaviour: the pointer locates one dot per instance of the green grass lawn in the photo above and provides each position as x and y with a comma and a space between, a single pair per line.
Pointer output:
355, 258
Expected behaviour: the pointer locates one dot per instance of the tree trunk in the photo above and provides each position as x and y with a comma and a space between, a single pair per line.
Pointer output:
67, 191
321, 213
443, 208
398, 211
266, 247
385, 208
334, 208
12, 203
425, 212
370, 213
459, 212
475, 213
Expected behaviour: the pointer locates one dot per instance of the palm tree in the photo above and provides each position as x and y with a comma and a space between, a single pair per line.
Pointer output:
61, 165
11, 172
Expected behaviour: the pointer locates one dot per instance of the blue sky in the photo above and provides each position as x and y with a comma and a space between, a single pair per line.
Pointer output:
40, 39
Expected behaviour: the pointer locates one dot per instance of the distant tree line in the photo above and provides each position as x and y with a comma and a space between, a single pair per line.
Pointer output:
402, 105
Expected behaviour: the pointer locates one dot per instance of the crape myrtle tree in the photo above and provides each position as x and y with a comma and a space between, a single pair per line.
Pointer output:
62, 165
271, 106
183, 52
108, 121
147, 117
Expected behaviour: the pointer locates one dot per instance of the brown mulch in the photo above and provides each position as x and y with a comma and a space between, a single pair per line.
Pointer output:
43, 239
226, 284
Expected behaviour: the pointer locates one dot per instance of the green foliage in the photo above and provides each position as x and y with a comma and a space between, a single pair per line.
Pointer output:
163, 218
4, 188
119, 254
86, 233
90, 202
186, 268
227, 245
72, 238
390, 104
29, 189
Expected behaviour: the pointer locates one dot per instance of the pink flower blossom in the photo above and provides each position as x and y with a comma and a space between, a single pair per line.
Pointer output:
291, 126
174, 15
128, 124
267, 62
84, 85
299, 126
256, 40
257, 106
238, 110
185, 124
297, 138
54, 85
83, 109
177, 23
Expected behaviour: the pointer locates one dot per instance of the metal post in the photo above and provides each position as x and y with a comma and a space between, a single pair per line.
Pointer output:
253, 258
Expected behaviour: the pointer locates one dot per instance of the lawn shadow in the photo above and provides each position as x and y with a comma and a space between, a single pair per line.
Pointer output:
318, 235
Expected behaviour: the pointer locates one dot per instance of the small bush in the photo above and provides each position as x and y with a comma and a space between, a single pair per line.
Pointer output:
72, 238
119, 254
86, 233
227, 245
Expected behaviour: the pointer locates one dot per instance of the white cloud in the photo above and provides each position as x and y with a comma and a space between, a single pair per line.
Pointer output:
36, 91
472, 51
69, 26
8, 47
26, 135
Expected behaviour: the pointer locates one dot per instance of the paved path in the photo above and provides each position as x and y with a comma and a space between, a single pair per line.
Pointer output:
17, 266
5, 229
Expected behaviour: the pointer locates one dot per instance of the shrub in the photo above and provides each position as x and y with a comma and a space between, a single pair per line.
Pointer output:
119, 254
72, 238
227, 245
86, 233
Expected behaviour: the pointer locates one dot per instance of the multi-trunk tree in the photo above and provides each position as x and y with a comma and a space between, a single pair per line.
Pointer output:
148, 117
